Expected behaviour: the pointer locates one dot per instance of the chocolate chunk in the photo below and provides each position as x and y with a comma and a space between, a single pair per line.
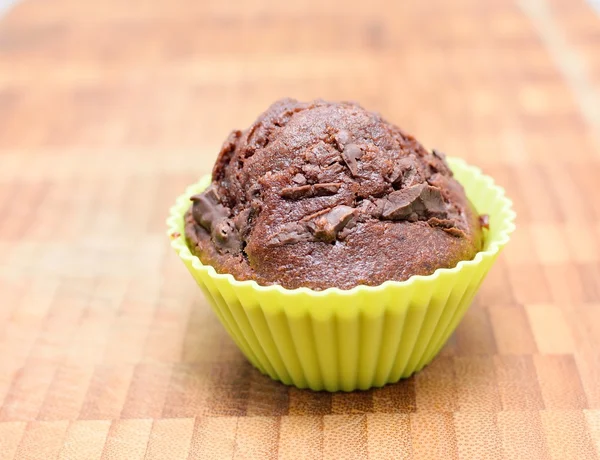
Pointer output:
290, 233
456, 232
410, 177
368, 209
225, 236
333, 168
443, 223
241, 221
327, 189
422, 199
314, 215
395, 176
448, 225
339, 216
331, 173
207, 209
406, 173
380, 206
432, 199
310, 191
398, 205
348, 228
484, 221
342, 137
323, 225
438, 180
296, 193
299, 179
440, 165
211, 194
351, 154
326, 226
322, 154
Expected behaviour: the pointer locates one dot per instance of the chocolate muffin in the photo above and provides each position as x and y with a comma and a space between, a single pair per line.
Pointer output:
325, 194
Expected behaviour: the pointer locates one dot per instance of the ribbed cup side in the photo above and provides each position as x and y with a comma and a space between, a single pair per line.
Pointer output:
356, 350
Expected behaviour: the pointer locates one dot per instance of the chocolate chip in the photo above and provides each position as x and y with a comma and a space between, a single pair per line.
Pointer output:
440, 165
331, 173
207, 209
310, 191
448, 225
241, 221
395, 176
339, 216
398, 205
351, 154
314, 215
290, 233
323, 225
406, 173
327, 189
442, 223
422, 199
414, 217
432, 199
296, 193
212, 194
299, 179
342, 137
311, 172
367, 209
225, 236
326, 226
456, 232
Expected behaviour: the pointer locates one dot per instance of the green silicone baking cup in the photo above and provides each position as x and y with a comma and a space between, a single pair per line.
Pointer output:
359, 338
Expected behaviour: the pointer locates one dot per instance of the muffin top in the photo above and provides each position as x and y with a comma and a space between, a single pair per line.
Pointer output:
325, 194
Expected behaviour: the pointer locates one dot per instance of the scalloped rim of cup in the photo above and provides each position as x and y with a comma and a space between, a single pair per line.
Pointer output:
179, 244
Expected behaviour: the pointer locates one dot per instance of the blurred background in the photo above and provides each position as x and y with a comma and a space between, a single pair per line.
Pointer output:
109, 109
464, 76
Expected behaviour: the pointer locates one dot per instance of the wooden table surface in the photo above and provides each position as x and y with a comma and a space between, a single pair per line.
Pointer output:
108, 109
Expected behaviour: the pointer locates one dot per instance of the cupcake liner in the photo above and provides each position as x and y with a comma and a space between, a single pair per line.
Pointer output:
350, 339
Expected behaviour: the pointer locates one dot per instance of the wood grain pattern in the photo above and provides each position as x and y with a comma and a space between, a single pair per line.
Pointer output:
109, 109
